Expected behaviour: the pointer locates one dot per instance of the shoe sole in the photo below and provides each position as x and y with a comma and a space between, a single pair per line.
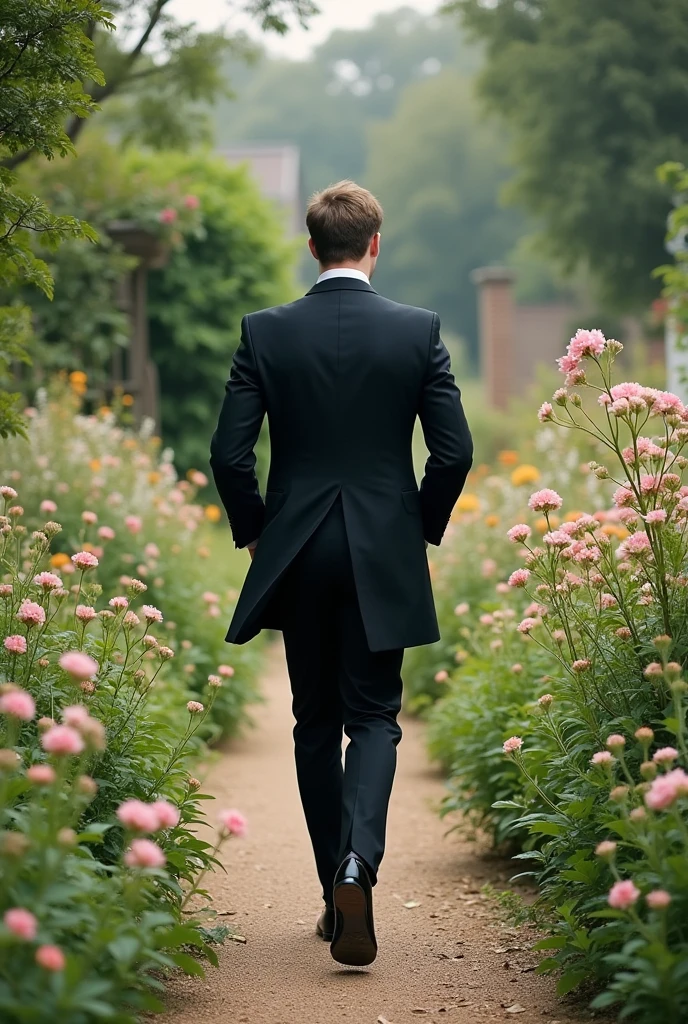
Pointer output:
354, 943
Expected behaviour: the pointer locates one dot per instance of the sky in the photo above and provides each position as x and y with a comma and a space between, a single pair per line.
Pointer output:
298, 43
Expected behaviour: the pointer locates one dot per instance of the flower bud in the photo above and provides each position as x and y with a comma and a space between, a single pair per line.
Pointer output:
648, 770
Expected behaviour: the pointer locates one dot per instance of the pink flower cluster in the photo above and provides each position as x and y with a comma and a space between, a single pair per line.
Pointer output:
666, 789
142, 817
18, 704
31, 613
78, 665
583, 344
545, 500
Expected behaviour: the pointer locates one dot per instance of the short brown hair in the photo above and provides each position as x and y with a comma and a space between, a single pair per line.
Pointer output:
342, 220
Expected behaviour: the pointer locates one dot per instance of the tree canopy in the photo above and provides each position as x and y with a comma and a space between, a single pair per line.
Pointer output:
595, 94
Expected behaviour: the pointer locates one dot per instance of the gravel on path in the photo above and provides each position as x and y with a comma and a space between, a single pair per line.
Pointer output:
444, 954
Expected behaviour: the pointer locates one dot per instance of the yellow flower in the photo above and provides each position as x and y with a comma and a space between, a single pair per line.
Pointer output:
491, 520
525, 474
615, 530
508, 457
213, 513
154, 477
571, 517
59, 559
94, 465
127, 400
468, 503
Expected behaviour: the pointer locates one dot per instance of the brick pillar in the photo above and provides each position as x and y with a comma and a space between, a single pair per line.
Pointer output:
496, 318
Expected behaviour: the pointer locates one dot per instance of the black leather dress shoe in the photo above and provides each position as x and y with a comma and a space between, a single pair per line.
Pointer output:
353, 942
325, 926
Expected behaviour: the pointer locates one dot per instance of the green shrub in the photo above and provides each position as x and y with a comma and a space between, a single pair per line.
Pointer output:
147, 525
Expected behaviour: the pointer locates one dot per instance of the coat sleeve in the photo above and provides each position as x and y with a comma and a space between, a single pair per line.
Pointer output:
232, 457
447, 437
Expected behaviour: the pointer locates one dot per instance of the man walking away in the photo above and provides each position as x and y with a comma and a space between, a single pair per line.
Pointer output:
338, 546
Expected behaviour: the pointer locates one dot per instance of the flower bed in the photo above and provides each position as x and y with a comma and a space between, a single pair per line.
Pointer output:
97, 856
116, 494
563, 727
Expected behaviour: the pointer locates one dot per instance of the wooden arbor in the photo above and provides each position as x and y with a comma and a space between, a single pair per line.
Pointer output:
133, 370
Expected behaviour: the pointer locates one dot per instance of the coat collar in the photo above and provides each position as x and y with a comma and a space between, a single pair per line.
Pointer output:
333, 284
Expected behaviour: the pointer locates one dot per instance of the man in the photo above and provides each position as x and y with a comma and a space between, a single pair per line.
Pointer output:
338, 546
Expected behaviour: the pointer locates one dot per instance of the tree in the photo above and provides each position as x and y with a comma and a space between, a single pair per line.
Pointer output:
44, 56
157, 67
324, 105
438, 169
594, 93
238, 262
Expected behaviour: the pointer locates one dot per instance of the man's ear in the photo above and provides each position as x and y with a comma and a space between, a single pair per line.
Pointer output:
375, 246
311, 246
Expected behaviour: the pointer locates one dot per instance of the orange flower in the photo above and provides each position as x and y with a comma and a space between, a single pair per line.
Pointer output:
541, 523
491, 520
87, 546
213, 513
127, 400
94, 465
154, 477
508, 457
59, 559
615, 530
203, 552
104, 410
130, 444
571, 517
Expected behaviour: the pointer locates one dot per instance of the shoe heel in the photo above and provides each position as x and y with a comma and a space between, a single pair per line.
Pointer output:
352, 944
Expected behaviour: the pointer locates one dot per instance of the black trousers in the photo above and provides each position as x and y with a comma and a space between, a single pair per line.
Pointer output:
339, 685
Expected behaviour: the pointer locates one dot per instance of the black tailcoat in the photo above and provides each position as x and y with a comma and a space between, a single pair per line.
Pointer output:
342, 374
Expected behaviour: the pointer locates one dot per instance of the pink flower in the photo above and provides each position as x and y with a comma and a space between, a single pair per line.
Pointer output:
131, 620
623, 895
658, 899
607, 848
41, 774
519, 533
168, 814
144, 853
167, 215
645, 735
666, 789
85, 613
602, 757
78, 665
50, 958
191, 202
616, 741
8, 493
210, 598
519, 578
85, 560
513, 744
545, 500
657, 515
441, 676
21, 923
47, 580
234, 822
545, 412
462, 609
165, 653
214, 681
623, 497
30, 613
151, 613
134, 524
15, 644
90, 518
62, 740
608, 601
151, 551
637, 544
225, 670
665, 755
18, 704
527, 624
106, 533
138, 816
48, 507
75, 715
194, 707
119, 603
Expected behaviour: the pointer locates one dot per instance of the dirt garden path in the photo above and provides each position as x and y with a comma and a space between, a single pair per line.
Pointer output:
444, 956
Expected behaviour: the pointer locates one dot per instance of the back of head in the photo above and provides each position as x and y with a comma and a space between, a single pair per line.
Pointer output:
342, 220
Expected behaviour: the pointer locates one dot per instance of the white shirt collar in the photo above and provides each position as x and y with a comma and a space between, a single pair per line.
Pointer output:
343, 272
